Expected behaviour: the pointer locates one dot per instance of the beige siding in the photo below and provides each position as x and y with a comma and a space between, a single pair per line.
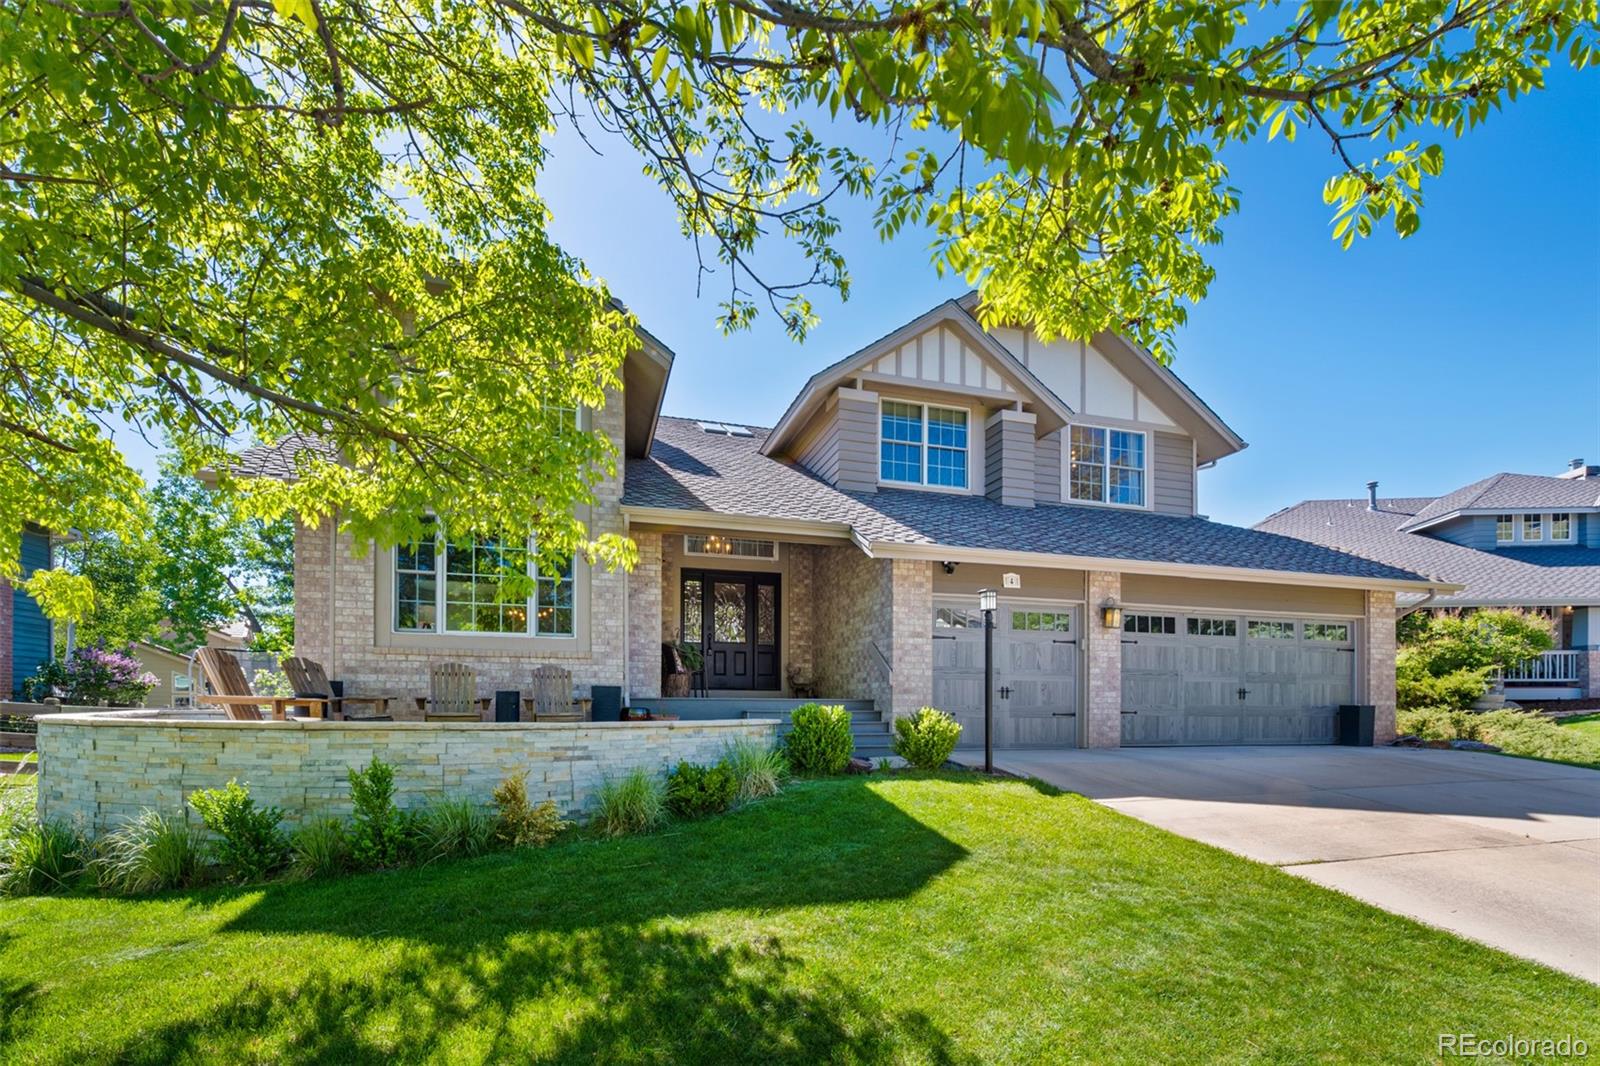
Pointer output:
1047, 468
1038, 583
1172, 473
841, 447
1151, 591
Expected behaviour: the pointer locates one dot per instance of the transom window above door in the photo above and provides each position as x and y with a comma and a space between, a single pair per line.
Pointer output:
1106, 466
921, 444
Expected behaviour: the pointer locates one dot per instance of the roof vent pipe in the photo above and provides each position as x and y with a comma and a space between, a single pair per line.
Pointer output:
1575, 464
1372, 495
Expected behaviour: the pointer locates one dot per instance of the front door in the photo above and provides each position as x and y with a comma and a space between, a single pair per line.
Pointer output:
734, 618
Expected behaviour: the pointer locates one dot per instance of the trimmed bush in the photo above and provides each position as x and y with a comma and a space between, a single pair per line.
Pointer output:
1416, 687
819, 740
758, 770
151, 853
926, 739
1513, 732
249, 843
321, 848
696, 791
635, 803
41, 857
456, 828
520, 824
378, 833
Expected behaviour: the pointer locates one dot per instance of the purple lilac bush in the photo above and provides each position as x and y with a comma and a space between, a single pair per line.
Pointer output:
93, 675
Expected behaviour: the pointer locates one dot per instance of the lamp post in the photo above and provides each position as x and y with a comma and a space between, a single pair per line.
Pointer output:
987, 601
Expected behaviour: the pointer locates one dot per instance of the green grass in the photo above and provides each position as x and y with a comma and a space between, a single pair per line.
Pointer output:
1587, 725
933, 918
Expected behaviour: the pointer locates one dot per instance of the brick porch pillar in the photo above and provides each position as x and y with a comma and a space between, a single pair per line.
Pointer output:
1103, 660
644, 618
911, 634
1379, 664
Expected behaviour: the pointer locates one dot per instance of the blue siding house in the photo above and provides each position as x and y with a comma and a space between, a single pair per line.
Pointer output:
25, 633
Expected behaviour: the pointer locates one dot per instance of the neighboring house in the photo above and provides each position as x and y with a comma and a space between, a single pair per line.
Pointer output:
172, 673
846, 546
26, 635
1513, 540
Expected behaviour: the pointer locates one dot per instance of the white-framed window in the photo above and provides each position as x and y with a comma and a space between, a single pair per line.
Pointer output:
1561, 526
1041, 621
489, 586
1532, 528
922, 444
1213, 627
1337, 632
1505, 528
715, 544
1269, 630
1106, 465
182, 694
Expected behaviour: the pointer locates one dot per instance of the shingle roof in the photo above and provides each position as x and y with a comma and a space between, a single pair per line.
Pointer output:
1512, 491
1526, 576
279, 460
692, 470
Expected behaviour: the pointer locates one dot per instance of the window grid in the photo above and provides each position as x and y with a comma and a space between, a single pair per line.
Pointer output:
1505, 530
957, 618
1161, 624
1106, 465
923, 445
740, 547
1338, 632
474, 596
1041, 621
1561, 526
1267, 630
1532, 527
1213, 627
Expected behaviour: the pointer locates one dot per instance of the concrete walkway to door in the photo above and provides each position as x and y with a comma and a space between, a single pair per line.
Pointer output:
1505, 851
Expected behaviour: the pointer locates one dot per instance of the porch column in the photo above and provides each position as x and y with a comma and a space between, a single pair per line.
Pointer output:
1379, 664
1586, 642
644, 618
911, 634
1103, 660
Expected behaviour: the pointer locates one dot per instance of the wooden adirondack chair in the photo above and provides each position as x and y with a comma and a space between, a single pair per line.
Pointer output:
310, 679
551, 700
230, 691
453, 694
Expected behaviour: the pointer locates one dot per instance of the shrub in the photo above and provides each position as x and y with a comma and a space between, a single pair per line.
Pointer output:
635, 803
521, 824
378, 835
456, 828
40, 857
321, 848
1416, 687
250, 845
758, 769
695, 791
151, 853
819, 739
91, 675
926, 739
1513, 732
271, 683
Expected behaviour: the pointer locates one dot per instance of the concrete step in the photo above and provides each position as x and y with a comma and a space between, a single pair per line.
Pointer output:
700, 708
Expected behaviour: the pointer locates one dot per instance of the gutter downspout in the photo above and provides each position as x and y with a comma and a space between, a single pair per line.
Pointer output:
1432, 595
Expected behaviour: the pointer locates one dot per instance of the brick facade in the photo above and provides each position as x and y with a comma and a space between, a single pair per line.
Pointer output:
1103, 659
911, 635
644, 617
1380, 654
852, 605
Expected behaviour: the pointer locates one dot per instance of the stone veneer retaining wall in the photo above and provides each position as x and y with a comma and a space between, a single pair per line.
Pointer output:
101, 769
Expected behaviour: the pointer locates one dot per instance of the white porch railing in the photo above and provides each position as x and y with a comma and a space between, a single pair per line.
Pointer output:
1551, 667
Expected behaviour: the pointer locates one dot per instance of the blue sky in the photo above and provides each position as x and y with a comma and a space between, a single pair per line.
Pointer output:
1472, 347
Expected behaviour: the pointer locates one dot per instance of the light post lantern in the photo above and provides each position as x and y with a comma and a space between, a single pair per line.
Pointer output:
988, 600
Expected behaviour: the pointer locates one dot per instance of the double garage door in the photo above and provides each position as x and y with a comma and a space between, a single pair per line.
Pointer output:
1187, 678
1234, 679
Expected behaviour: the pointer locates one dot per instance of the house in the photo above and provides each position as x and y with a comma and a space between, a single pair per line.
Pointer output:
1512, 540
845, 548
26, 635
173, 673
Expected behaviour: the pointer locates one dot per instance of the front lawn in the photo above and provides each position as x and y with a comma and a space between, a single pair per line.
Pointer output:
938, 918
1586, 725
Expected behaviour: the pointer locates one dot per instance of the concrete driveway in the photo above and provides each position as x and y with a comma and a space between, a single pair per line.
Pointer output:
1505, 851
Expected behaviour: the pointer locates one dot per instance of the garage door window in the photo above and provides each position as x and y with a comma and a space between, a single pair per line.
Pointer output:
1041, 621
1150, 623
1337, 632
956, 618
1213, 627
1270, 630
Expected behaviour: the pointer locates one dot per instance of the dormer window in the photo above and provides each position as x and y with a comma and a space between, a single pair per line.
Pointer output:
1106, 466
920, 444
1532, 528
1554, 528
1505, 529
1561, 527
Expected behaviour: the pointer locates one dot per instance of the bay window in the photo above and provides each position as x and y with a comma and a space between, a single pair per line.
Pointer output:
488, 586
920, 444
1106, 466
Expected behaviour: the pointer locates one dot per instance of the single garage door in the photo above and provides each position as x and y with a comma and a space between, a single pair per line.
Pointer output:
1220, 678
1036, 673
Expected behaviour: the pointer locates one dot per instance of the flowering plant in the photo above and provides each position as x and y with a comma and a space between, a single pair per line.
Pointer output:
93, 675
